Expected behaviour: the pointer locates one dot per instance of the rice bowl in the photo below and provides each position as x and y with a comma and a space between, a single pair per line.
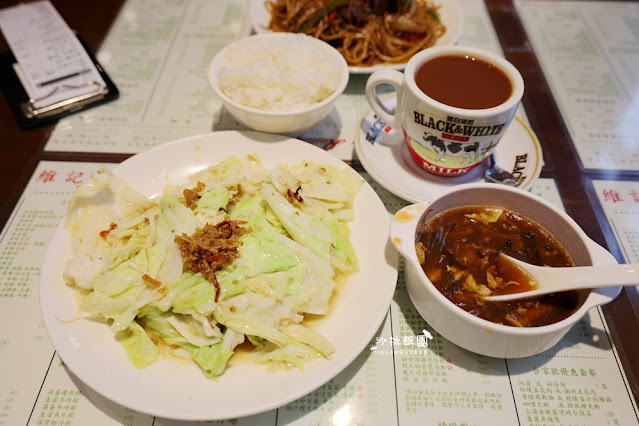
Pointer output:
279, 83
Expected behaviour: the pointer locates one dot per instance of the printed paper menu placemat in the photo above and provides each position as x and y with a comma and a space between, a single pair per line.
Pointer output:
589, 52
620, 203
159, 56
408, 373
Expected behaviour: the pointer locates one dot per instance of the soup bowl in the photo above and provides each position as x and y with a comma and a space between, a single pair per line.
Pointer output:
469, 331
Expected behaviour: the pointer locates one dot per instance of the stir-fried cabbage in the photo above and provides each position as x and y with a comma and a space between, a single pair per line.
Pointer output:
131, 273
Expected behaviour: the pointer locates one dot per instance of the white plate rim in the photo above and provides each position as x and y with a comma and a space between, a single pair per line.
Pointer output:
451, 15
174, 389
437, 183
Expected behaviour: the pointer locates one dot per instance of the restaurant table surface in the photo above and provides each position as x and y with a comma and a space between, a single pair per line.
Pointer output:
22, 150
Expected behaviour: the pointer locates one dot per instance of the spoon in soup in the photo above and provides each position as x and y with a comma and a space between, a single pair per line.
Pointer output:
545, 280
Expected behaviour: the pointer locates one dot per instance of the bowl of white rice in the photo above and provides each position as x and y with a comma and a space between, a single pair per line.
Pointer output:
279, 82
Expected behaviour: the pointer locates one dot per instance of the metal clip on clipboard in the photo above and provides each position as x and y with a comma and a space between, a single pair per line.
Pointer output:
52, 54
29, 109
24, 108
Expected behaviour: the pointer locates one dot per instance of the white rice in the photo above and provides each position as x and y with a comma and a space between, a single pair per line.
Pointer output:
284, 74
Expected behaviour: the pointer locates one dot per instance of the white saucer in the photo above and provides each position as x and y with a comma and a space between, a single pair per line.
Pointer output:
382, 152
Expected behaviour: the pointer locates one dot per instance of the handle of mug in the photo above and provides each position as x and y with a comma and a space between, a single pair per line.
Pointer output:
393, 78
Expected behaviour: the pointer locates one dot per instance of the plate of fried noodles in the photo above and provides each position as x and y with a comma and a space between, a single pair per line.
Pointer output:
370, 34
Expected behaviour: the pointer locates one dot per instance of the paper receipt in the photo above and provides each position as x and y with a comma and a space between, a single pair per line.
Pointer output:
52, 64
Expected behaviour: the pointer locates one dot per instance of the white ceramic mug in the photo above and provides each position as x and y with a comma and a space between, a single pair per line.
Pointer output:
443, 139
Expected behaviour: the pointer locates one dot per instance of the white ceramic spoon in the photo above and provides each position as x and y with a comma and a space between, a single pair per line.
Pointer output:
553, 280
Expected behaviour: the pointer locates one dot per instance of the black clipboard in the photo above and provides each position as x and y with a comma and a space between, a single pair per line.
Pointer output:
28, 117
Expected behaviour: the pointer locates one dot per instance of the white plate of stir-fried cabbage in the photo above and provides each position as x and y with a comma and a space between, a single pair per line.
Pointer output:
218, 276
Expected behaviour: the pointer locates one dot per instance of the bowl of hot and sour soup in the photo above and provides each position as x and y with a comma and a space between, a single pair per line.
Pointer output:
452, 246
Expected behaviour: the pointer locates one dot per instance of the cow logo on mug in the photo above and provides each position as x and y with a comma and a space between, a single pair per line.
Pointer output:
456, 142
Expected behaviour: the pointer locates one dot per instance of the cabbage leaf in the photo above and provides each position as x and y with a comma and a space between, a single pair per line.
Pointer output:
129, 271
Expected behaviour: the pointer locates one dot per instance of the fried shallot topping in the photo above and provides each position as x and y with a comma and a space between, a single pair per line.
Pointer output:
294, 195
150, 280
112, 226
211, 248
192, 195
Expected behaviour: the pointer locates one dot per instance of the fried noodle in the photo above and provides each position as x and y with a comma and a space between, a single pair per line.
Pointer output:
366, 32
